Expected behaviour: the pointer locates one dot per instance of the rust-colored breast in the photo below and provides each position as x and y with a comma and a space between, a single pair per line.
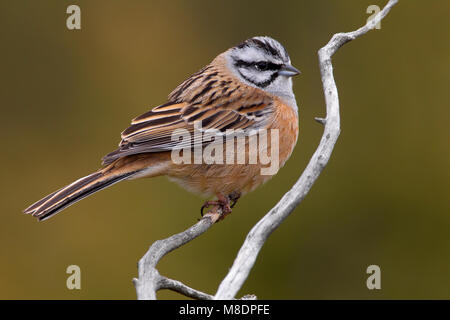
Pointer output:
286, 121
226, 178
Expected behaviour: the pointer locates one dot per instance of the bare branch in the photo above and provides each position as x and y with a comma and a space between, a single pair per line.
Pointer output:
177, 286
320, 120
150, 281
261, 231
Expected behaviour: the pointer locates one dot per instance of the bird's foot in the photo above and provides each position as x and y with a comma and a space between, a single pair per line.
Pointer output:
223, 203
234, 197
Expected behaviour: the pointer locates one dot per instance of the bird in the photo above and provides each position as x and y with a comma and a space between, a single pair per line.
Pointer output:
246, 88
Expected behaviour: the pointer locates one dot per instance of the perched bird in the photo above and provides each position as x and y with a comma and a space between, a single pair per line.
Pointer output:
247, 87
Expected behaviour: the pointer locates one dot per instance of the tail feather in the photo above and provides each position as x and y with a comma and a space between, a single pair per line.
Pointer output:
74, 192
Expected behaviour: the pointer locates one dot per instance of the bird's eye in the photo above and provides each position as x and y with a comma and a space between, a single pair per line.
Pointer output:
262, 65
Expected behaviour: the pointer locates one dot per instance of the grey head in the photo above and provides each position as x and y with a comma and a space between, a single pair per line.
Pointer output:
264, 63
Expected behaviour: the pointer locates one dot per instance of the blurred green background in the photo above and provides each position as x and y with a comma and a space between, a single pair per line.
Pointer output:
383, 199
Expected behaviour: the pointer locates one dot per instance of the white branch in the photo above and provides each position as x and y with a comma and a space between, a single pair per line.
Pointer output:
150, 281
256, 238
177, 286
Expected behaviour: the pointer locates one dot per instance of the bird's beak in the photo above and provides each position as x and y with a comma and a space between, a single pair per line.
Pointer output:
288, 71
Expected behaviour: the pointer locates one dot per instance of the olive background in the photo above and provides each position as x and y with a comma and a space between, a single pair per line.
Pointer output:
383, 198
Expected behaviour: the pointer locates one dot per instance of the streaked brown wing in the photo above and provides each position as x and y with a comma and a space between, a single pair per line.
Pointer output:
244, 108
207, 100
150, 132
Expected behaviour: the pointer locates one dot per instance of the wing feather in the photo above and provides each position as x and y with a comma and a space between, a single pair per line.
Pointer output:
208, 97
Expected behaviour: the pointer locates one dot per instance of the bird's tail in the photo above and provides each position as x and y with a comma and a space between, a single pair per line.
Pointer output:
80, 189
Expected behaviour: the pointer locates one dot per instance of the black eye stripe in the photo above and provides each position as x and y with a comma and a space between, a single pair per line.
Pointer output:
262, 84
268, 66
